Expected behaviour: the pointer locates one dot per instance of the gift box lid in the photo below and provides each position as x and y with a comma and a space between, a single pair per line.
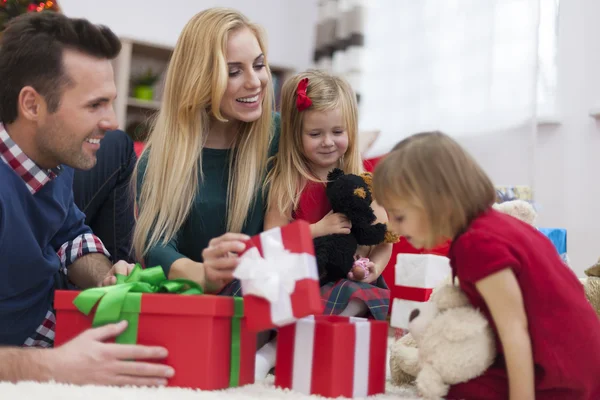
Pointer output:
164, 303
295, 237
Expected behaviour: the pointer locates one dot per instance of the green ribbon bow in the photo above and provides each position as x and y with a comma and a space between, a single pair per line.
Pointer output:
123, 301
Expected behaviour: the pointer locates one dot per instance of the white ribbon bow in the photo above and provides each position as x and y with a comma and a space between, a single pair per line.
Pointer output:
274, 276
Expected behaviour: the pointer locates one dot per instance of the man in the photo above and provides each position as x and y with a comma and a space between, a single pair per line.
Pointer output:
56, 93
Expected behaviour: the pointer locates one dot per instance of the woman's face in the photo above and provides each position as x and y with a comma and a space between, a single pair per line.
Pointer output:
248, 77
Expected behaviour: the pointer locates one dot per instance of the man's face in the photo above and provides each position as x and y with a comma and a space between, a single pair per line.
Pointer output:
71, 135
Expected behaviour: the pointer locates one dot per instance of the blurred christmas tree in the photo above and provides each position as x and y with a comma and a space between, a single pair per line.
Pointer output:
13, 8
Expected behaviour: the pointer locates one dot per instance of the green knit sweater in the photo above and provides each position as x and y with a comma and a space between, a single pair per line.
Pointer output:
208, 216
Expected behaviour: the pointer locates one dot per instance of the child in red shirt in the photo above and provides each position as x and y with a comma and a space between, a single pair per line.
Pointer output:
548, 335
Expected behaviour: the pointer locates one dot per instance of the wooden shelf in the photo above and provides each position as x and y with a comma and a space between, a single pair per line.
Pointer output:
145, 104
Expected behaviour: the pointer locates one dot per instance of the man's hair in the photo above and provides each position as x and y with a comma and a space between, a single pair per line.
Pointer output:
31, 54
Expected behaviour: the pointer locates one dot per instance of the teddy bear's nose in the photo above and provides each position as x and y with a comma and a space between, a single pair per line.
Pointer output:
414, 314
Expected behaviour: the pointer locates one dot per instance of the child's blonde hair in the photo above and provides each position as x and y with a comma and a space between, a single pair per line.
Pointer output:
433, 172
290, 171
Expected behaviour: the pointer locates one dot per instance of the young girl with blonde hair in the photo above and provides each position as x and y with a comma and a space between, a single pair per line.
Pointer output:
548, 335
199, 179
319, 133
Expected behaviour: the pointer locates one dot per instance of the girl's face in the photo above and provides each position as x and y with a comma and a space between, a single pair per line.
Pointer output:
324, 138
409, 221
248, 77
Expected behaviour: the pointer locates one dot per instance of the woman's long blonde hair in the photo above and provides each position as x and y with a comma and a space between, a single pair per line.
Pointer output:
290, 171
196, 81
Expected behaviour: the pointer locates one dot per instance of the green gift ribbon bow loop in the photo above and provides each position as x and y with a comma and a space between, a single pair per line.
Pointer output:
123, 301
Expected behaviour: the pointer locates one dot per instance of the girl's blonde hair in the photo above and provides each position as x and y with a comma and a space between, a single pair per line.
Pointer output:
196, 81
431, 171
290, 171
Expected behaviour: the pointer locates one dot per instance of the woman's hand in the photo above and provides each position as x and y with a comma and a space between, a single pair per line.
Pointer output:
221, 259
330, 224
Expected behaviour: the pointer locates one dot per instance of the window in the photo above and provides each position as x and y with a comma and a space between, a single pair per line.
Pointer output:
467, 67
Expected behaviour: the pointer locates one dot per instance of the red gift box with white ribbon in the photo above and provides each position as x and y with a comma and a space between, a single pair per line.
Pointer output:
279, 277
416, 276
332, 356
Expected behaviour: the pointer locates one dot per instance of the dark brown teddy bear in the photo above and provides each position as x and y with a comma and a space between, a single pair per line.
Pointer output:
350, 195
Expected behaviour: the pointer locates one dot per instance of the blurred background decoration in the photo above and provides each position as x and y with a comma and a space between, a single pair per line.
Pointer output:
10, 9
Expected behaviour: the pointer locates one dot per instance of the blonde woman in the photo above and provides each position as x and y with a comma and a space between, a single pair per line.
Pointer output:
199, 179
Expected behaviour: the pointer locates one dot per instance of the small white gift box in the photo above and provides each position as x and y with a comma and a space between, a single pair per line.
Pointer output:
416, 276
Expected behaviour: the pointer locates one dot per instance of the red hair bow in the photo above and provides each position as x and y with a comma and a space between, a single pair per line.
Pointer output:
302, 99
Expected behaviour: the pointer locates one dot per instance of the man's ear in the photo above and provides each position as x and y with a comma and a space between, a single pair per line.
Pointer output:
31, 103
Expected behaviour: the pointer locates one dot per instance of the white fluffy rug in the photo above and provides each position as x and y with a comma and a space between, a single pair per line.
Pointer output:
263, 390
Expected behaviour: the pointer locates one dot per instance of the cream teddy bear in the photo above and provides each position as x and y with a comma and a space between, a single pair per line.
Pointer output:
591, 284
455, 344
519, 209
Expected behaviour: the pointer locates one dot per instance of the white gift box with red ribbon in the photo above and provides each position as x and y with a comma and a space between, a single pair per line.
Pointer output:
279, 278
332, 356
416, 275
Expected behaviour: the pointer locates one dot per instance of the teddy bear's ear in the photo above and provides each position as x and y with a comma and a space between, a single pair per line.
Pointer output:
391, 237
594, 270
335, 174
368, 178
448, 296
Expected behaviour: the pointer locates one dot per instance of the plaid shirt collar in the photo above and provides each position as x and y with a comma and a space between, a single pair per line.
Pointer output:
32, 174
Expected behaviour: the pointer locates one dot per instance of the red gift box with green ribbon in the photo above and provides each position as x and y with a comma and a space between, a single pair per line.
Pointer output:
207, 338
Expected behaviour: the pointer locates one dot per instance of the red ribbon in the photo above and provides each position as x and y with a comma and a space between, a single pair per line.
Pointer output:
302, 99
412, 293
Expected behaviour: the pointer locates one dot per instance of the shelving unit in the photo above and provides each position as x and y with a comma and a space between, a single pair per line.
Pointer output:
137, 57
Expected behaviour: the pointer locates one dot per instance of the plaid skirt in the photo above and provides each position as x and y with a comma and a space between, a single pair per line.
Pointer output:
336, 296
233, 288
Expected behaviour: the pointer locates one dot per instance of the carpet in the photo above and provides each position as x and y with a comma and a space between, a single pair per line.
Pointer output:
263, 390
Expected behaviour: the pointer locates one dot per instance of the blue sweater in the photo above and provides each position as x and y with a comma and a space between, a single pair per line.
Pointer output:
32, 229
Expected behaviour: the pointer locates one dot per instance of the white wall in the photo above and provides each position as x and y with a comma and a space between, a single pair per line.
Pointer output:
288, 23
567, 167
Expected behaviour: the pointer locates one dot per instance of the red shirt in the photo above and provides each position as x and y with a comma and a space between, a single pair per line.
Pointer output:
564, 329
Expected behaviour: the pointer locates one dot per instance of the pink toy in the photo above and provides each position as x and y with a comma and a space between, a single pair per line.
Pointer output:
360, 270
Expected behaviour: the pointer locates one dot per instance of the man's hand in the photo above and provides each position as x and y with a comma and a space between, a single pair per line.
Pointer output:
87, 360
122, 268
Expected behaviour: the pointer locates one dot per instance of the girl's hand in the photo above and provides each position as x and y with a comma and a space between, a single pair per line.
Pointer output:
221, 259
370, 277
330, 224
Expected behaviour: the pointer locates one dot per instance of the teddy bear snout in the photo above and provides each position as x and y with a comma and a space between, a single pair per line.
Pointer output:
413, 314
